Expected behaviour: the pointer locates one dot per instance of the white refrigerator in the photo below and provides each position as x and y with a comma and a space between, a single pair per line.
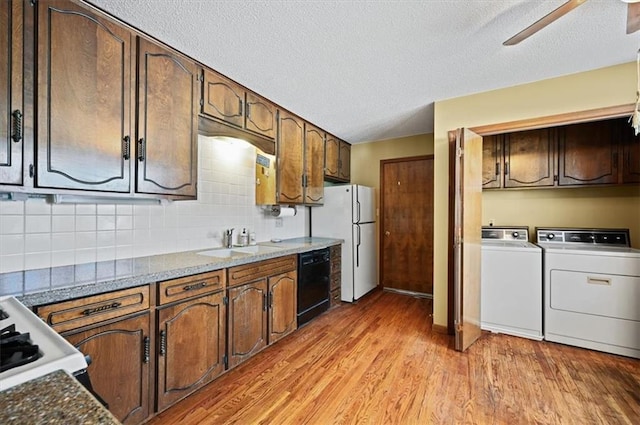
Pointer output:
349, 213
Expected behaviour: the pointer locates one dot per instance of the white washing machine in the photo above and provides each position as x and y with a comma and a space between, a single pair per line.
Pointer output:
511, 282
591, 289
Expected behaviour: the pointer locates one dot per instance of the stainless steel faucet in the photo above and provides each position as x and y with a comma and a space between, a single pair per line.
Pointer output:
227, 238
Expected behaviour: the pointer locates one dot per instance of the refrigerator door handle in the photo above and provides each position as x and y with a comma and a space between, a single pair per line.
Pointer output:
359, 240
358, 211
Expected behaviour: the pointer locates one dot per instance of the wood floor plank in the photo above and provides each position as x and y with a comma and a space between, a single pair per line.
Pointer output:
378, 362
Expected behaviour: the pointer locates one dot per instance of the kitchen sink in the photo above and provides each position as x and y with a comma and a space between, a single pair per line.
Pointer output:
220, 253
256, 249
239, 251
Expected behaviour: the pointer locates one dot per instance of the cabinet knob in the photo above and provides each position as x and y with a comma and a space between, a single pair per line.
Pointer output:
387, 233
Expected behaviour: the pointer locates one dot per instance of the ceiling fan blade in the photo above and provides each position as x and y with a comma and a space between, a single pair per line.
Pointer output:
633, 17
543, 22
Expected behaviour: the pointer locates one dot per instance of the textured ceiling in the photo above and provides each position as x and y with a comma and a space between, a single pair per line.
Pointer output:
371, 69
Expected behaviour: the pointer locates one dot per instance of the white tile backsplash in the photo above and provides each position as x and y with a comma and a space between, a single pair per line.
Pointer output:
35, 234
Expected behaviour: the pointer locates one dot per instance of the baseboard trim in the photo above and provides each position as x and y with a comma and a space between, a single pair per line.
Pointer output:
410, 293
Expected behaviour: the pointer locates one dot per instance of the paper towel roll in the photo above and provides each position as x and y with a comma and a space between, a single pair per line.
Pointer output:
278, 211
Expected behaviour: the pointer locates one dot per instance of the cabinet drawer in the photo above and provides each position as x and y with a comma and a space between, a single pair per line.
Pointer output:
74, 314
261, 269
190, 286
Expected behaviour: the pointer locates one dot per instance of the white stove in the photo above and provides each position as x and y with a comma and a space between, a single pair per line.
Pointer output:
591, 289
27, 339
511, 282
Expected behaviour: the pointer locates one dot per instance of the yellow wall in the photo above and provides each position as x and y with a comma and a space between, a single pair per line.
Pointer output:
366, 157
605, 87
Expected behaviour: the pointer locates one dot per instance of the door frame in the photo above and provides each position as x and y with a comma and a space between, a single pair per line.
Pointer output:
519, 125
381, 218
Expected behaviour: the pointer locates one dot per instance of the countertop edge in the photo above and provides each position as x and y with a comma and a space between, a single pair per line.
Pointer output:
163, 272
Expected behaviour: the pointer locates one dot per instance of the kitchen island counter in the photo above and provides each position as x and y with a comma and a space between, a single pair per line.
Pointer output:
56, 398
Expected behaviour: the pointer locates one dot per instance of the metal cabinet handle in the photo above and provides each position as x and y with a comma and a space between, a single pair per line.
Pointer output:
142, 149
100, 309
248, 110
194, 286
239, 106
506, 168
17, 126
163, 343
497, 168
264, 302
146, 349
126, 147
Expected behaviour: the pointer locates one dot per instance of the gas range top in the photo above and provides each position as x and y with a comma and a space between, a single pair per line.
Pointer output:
30, 348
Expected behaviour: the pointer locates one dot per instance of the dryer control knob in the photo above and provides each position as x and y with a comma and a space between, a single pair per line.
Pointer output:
515, 235
550, 236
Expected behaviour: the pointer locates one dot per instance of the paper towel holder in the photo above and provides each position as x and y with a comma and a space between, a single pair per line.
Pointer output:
277, 209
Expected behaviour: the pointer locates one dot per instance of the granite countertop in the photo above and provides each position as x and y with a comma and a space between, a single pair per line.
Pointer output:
45, 286
56, 398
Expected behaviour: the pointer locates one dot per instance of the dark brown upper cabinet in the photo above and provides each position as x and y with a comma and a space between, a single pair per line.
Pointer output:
85, 98
313, 165
492, 164
230, 103
630, 156
588, 153
337, 159
290, 159
167, 136
11, 104
529, 158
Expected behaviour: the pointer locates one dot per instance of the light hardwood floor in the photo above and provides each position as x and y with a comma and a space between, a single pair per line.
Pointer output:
378, 362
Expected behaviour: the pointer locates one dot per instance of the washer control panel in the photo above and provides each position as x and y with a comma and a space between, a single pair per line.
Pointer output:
511, 233
617, 237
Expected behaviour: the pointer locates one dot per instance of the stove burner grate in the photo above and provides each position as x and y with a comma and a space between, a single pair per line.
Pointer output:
16, 348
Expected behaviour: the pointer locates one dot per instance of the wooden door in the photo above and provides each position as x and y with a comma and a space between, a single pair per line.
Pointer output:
290, 159
84, 99
630, 156
260, 116
166, 147
467, 233
247, 332
345, 161
492, 162
11, 105
223, 99
191, 340
588, 153
119, 368
332, 154
529, 158
313, 165
407, 224
282, 305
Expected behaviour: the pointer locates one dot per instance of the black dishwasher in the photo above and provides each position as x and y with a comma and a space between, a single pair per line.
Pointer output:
313, 284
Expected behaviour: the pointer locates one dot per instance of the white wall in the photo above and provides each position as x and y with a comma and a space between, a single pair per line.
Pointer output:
35, 234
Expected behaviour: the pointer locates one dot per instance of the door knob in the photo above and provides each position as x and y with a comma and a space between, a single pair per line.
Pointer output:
387, 233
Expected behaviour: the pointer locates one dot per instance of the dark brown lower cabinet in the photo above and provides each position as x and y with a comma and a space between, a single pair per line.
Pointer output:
247, 320
282, 305
119, 369
191, 346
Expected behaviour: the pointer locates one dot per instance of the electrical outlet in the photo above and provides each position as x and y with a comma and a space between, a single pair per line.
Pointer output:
279, 222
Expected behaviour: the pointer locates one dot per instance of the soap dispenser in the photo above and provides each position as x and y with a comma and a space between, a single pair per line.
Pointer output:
243, 238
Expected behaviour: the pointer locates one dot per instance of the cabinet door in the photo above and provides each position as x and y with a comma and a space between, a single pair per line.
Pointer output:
167, 122
290, 159
529, 158
345, 161
588, 153
260, 116
491, 162
630, 157
84, 99
119, 370
223, 99
332, 156
247, 321
191, 346
282, 305
11, 105
313, 165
